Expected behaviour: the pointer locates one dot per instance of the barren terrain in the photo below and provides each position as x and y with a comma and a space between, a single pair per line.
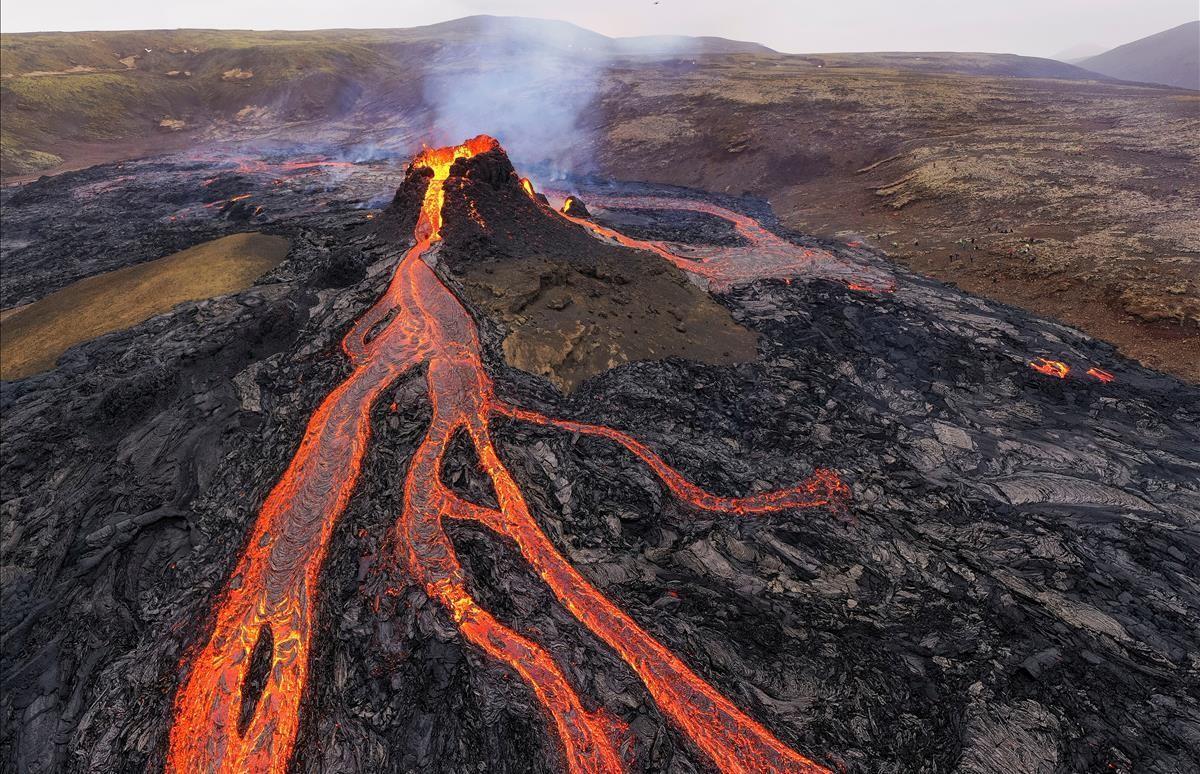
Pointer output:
322, 453
1002, 584
1026, 180
1076, 200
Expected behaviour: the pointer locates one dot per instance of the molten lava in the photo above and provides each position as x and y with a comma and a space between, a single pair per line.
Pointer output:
1055, 368
1100, 375
572, 206
273, 589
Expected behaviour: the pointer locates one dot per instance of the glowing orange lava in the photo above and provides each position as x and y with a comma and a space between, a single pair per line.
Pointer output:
274, 584
1100, 374
1055, 368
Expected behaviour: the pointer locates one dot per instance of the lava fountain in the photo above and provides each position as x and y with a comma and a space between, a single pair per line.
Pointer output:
223, 723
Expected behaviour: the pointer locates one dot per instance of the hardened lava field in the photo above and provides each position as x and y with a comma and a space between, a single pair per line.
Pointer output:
340, 521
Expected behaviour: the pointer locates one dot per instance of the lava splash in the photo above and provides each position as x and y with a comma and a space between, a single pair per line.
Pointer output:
224, 721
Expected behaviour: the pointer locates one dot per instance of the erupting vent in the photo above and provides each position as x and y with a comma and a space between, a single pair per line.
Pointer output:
270, 600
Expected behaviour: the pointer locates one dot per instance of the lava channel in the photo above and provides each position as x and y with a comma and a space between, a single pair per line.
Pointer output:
271, 595
766, 255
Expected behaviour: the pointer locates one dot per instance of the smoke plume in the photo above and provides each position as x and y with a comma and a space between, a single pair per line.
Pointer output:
527, 84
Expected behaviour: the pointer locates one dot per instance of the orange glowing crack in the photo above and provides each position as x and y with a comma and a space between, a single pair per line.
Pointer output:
1055, 368
1100, 375
419, 320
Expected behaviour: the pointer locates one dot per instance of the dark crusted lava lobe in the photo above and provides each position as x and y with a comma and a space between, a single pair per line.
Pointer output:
575, 207
487, 215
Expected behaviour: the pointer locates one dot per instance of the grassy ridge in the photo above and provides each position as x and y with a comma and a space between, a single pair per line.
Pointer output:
125, 91
63, 87
33, 337
56, 51
93, 105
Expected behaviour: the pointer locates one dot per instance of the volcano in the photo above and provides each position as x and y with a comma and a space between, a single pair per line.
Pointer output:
614, 478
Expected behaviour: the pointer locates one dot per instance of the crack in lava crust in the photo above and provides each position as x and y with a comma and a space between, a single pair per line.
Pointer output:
274, 584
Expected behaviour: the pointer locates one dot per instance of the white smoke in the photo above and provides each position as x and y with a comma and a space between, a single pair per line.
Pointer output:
528, 83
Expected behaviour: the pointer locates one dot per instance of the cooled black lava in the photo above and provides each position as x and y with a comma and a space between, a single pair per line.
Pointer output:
1010, 587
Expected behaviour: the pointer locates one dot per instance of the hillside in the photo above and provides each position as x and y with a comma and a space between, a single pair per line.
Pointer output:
1027, 180
1073, 198
1170, 57
69, 95
62, 52
962, 63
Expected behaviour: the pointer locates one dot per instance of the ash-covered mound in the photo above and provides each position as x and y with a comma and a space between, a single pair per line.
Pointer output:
1008, 588
572, 306
488, 215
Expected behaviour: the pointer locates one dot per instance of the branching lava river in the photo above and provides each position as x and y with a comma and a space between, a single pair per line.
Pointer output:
222, 723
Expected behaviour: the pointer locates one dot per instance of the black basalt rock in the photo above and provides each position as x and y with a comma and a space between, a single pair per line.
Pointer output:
1011, 587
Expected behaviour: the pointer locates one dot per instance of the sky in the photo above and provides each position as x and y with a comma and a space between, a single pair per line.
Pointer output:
1030, 27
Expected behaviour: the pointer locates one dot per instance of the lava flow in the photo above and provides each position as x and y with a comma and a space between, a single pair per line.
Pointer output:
766, 256
220, 725
256, 166
1055, 368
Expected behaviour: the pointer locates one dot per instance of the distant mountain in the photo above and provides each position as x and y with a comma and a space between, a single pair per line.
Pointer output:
553, 34
1077, 53
679, 44
961, 63
1171, 57
53, 53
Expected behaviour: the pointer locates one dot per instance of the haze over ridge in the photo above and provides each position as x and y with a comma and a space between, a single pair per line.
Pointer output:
1027, 27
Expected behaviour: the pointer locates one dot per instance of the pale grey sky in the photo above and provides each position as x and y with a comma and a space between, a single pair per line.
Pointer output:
1032, 27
